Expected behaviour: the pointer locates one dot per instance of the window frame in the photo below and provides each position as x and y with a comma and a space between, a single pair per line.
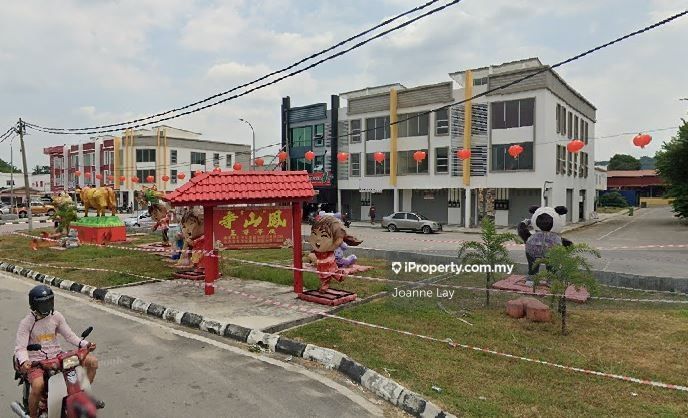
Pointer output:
173, 156
441, 122
529, 149
355, 166
145, 155
355, 133
200, 156
438, 158
229, 160
385, 170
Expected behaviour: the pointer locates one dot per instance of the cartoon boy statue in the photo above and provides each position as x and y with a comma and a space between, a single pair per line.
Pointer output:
327, 235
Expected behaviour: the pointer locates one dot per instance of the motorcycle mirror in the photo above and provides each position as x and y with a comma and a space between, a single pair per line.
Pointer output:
34, 347
87, 332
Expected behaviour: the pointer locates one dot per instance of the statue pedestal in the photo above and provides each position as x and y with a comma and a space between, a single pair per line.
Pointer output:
332, 297
100, 229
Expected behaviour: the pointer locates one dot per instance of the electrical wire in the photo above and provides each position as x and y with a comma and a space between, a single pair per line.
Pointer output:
261, 86
301, 61
8, 133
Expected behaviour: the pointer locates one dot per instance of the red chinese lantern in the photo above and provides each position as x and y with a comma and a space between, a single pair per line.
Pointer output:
342, 157
379, 157
165, 178
122, 179
575, 145
181, 176
150, 179
99, 176
419, 156
135, 179
515, 150
282, 156
197, 173
463, 154
111, 177
309, 155
237, 166
642, 140
77, 173
217, 170
259, 162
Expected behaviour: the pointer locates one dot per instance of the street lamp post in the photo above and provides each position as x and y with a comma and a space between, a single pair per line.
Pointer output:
253, 148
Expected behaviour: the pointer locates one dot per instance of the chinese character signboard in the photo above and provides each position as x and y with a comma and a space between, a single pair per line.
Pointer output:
253, 227
320, 178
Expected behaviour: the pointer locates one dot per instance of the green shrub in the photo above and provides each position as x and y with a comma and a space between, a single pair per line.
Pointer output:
613, 199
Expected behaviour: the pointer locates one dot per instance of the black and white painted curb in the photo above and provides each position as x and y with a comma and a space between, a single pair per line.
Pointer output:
383, 387
36, 221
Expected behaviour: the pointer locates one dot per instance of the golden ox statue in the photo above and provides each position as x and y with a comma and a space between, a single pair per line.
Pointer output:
98, 198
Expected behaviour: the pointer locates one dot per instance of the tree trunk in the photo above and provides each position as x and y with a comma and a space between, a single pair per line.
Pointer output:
487, 289
562, 310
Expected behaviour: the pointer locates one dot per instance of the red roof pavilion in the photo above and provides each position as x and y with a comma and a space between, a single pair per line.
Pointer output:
212, 189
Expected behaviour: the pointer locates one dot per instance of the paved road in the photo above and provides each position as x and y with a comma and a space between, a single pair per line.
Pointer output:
651, 226
149, 369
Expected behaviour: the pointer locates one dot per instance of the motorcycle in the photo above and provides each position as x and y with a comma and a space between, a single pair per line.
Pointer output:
346, 220
71, 399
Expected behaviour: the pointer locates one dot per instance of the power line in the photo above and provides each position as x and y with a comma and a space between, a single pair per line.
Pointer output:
261, 86
324, 51
531, 75
7, 133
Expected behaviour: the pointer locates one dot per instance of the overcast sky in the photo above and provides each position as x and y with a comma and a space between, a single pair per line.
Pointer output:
78, 63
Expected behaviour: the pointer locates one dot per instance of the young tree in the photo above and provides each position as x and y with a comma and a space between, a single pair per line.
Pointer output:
568, 266
41, 169
623, 162
491, 251
672, 166
6, 168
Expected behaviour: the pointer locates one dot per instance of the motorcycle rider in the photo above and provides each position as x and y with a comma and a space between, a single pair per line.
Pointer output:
41, 326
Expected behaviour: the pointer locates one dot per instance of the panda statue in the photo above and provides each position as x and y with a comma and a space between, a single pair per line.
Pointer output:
547, 224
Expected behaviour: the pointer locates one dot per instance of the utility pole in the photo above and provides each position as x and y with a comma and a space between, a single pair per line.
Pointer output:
253, 148
12, 175
26, 174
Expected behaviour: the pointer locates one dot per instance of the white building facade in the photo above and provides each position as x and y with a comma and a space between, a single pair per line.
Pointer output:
541, 114
125, 163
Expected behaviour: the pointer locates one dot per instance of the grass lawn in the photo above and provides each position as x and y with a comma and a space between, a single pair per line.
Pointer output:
609, 209
644, 340
640, 340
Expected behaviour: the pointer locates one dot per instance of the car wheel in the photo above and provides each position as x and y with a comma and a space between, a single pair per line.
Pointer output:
392, 228
137, 225
51, 213
22, 214
426, 229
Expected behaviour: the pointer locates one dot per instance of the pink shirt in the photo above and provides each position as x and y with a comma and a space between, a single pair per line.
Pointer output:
44, 332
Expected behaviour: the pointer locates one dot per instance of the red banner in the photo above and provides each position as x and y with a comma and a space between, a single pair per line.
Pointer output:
253, 227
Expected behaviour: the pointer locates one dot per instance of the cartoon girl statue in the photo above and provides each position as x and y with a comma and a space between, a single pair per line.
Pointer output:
327, 235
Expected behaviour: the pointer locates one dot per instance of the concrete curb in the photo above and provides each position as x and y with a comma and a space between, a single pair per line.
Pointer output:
383, 387
667, 284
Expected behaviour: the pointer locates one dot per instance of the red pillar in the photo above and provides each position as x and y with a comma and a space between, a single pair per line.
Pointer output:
210, 261
296, 213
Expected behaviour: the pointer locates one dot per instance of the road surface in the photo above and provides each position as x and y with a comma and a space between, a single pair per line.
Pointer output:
151, 369
649, 235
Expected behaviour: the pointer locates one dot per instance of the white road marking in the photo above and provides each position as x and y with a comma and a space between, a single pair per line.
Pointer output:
623, 226
356, 398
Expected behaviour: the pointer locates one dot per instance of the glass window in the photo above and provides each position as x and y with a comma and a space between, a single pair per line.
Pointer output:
198, 158
575, 128
355, 128
298, 164
561, 159
407, 165
399, 215
143, 174
526, 112
562, 117
377, 128
355, 164
229, 161
498, 118
173, 176
302, 136
558, 118
412, 217
319, 163
569, 126
502, 161
216, 160
511, 114
442, 160
145, 155
320, 130
373, 168
442, 122
173, 156
586, 133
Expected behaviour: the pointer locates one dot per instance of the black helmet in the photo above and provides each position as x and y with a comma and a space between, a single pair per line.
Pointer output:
42, 299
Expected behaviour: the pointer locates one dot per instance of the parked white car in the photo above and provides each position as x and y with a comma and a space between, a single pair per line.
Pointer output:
143, 219
410, 221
